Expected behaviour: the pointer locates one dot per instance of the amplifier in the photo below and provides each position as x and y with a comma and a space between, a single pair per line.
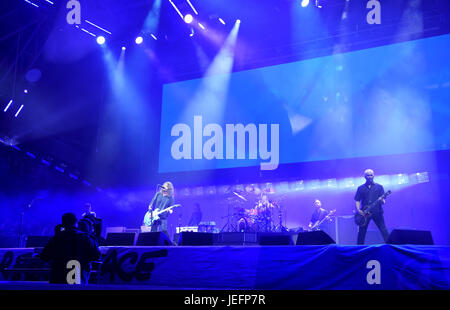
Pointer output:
207, 226
187, 228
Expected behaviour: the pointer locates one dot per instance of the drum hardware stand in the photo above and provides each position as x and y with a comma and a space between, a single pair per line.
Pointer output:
280, 227
228, 225
22, 214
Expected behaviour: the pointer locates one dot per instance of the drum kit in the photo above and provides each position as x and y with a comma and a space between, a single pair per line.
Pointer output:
253, 211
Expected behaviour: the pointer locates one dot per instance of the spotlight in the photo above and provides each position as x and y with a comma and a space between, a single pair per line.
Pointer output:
139, 40
222, 21
20, 109
8, 105
305, 3
123, 48
238, 21
101, 40
25, 91
188, 18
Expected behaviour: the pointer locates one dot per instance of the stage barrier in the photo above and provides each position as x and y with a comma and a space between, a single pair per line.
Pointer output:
259, 267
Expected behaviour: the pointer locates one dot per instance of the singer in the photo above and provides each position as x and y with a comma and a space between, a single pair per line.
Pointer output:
163, 199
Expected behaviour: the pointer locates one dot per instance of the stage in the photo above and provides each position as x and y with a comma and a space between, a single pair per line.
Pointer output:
330, 267
264, 138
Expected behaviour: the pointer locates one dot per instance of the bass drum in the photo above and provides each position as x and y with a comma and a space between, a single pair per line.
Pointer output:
246, 224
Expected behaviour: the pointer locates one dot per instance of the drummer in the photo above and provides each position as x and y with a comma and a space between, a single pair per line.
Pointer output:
264, 203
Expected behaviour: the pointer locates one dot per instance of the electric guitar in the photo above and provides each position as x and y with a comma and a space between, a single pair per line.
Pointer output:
152, 216
361, 220
318, 223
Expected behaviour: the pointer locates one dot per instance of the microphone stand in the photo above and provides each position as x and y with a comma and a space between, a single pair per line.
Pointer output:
22, 214
227, 224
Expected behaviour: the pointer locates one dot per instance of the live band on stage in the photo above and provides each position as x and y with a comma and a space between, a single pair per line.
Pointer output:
254, 211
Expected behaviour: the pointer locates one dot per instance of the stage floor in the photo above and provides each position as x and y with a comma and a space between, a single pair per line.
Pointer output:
250, 267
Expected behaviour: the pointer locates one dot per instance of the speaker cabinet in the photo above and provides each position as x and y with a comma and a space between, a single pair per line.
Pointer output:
237, 238
275, 239
314, 238
403, 236
195, 238
152, 239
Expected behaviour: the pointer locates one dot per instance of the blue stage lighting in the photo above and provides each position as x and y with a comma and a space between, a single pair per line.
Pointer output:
101, 40
305, 3
8, 105
139, 40
31, 155
20, 109
188, 18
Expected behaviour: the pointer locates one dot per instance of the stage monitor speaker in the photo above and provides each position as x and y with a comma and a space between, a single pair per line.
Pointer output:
318, 237
275, 239
37, 241
120, 239
195, 238
403, 236
237, 238
153, 238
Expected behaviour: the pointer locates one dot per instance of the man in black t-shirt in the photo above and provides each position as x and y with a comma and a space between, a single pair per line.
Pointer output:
318, 214
88, 211
366, 194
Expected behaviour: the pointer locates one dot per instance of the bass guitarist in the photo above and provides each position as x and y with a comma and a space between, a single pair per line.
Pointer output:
366, 194
163, 199
318, 215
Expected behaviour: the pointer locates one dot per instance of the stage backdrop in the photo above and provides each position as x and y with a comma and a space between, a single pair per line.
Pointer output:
379, 101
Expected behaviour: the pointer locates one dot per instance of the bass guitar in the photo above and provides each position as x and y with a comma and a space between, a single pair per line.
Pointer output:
318, 223
362, 220
152, 216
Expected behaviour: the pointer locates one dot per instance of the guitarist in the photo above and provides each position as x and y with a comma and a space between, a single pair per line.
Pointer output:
366, 194
163, 199
318, 214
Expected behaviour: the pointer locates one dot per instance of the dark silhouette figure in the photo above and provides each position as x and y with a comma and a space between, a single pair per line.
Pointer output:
196, 216
68, 244
88, 211
91, 224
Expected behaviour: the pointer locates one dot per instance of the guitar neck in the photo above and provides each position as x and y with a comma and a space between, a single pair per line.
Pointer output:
376, 202
166, 209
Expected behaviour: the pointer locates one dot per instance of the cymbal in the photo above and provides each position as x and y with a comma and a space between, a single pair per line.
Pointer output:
239, 196
268, 190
